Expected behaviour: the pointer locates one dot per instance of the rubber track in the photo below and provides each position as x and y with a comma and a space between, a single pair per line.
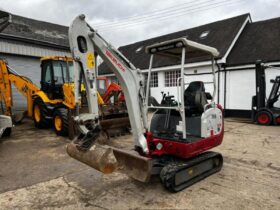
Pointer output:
168, 172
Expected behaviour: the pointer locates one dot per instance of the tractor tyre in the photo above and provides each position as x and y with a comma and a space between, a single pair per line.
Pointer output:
264, 118
40, 113
60, 122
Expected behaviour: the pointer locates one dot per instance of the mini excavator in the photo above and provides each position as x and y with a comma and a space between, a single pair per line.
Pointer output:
175, 145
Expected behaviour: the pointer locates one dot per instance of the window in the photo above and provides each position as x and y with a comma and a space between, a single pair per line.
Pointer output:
48, 76
153, 80
60, 72
171, 78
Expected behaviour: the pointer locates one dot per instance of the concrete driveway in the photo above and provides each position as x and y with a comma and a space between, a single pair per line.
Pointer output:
36, 173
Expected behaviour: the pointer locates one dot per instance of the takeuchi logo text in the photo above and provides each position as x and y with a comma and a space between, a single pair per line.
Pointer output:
115, 61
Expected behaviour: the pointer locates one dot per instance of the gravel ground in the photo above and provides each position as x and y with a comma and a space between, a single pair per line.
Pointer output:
36, 173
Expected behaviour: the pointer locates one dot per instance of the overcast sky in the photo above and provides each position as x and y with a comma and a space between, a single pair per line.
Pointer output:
160, 16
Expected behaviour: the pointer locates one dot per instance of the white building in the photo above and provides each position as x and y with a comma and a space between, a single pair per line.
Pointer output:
240, 42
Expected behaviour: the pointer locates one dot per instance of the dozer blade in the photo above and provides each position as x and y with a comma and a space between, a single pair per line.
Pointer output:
134, 165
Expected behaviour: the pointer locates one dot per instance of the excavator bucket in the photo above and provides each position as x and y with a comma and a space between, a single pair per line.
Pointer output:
107, 159
98, 157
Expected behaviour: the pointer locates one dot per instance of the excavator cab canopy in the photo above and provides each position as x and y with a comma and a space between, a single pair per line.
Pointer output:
173, 48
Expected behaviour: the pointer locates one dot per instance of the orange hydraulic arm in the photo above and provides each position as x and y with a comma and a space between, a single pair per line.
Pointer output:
24, 85
113, 88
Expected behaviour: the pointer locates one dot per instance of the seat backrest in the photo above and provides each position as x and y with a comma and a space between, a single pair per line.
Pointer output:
195, 86
195, 97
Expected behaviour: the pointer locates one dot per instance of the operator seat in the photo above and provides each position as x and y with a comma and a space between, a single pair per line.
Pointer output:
195, 98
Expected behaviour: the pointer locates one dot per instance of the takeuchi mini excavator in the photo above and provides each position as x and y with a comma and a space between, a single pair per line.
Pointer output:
52, 104
175, 145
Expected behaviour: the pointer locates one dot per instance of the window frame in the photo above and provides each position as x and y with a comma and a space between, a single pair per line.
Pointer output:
171, 78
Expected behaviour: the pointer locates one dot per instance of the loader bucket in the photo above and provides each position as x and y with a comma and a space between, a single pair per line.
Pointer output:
134, 165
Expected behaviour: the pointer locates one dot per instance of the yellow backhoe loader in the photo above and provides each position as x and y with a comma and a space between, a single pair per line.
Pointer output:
53, 104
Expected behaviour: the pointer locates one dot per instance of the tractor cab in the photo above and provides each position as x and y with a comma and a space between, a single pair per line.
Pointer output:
56, 71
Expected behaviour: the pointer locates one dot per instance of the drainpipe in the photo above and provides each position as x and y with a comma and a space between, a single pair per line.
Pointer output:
225, 88
219, 70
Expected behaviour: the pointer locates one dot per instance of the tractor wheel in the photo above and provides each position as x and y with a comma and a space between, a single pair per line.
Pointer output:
40, 113
264, 118
60, 121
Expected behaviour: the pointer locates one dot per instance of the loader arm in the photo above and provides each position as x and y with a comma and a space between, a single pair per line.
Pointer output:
5, 89
23, 84
86, 44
